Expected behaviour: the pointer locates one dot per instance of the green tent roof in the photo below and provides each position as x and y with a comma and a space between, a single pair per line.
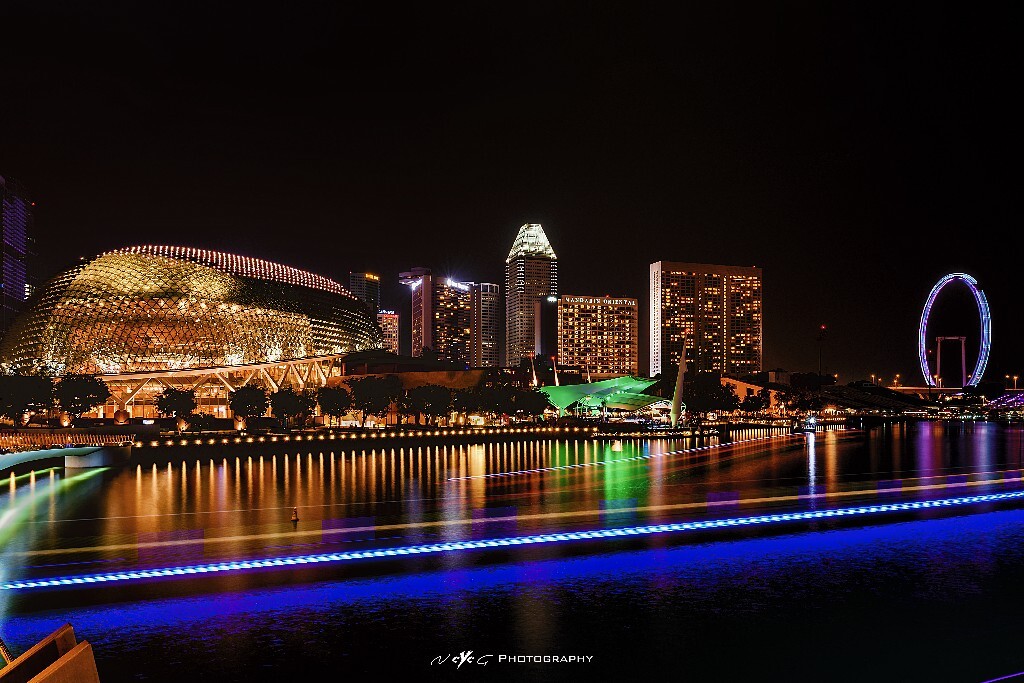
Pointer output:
625, 393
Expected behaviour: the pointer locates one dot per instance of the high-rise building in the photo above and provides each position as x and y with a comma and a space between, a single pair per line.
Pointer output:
441, 315
419, 282
545, 326
484, 342
366, 287
531, 273
388, 322
598, 334
15, 249
714, 310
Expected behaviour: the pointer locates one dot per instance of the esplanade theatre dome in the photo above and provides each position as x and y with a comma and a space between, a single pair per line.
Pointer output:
154, 308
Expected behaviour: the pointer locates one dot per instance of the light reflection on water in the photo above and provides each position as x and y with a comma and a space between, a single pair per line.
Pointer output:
696, 600
885, 603
245, 495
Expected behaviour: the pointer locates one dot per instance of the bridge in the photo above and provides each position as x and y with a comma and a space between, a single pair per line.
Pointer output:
77, 450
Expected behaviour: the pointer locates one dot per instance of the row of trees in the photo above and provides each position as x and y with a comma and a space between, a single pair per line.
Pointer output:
705, 393
72, 394
369, 396
77, 394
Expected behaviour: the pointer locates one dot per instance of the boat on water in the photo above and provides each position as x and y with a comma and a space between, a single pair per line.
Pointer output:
808, 424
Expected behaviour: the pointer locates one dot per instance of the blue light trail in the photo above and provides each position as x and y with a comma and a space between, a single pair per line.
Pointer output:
513, 541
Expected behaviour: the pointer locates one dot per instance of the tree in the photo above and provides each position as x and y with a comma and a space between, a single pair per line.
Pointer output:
176, 402
20, 394
531, 402
706, 393
432, 400
466, 401
307, 403
286, 403
77, 394
374, 395
406, 408
807, 401
496, 399
753, 403
249, 401
334, 401
201, 422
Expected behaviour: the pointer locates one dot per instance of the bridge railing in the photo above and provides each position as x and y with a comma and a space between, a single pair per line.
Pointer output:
17, 442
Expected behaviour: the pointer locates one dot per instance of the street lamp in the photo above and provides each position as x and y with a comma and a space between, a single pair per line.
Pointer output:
1015, 378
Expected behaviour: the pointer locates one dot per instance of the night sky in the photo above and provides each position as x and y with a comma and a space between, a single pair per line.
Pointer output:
855, 153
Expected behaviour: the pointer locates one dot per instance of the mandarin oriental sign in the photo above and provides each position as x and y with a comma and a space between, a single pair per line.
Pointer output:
598, 301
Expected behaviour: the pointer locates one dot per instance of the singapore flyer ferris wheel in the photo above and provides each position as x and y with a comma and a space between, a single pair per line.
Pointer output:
986, 332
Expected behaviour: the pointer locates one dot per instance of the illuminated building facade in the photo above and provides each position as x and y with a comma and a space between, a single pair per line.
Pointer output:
366, 288
715, 309
441, 315
531, 274
485, 324
598, 334
15, 250
458, 321
388, 323
419, 281
153, 316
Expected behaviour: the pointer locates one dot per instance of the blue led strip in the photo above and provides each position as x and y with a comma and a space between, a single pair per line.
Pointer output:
635, 458
536, 539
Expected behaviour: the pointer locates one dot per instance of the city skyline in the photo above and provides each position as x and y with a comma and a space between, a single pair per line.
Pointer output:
545, 341
807, 155
358, 286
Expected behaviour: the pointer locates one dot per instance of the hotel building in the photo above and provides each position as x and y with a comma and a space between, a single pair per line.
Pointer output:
366, 287
441, 312
388, 322
531, 274
715, 310
456, 320
598, 334
485, 312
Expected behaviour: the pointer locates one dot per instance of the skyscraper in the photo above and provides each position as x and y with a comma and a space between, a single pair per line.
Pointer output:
598, 334
531, 273
441, 315
15, 249
484, 342
388, 322
545, 326
716, 309
419, 282
366, 287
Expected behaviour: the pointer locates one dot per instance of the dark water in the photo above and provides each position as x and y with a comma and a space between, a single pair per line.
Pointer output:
921, 597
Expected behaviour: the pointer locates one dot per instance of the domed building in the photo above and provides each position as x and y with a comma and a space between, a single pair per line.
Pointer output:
153, 316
